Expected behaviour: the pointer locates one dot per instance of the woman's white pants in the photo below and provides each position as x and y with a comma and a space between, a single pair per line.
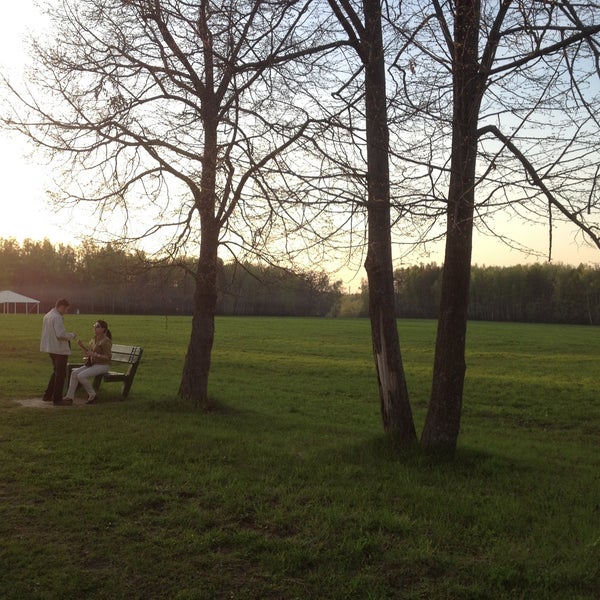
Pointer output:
84, 375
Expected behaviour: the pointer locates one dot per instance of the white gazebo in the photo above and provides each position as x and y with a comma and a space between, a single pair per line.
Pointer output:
10, 299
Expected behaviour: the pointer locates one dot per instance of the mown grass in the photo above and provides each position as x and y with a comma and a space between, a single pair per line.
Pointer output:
290, 489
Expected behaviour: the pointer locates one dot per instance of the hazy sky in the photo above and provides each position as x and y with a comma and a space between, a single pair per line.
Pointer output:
25, 209
27, 213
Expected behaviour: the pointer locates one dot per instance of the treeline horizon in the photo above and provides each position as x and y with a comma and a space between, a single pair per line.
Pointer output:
538, 293
110, 280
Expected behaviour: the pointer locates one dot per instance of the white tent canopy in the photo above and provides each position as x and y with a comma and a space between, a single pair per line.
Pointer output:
8, 299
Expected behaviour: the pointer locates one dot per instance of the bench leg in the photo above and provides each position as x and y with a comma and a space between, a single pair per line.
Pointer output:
126, 387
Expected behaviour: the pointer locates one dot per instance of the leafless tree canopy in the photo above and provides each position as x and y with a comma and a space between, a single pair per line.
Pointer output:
122, 85
538, 125
138, 99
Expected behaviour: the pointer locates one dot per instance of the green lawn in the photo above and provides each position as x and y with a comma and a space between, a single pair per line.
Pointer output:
290, 490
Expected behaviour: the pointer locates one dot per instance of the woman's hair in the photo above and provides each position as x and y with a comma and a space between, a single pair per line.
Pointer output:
104, 326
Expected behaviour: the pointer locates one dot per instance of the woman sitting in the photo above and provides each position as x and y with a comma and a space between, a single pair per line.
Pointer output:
97, 357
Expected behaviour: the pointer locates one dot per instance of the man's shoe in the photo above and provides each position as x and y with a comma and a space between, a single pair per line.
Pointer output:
93, 400
63, 402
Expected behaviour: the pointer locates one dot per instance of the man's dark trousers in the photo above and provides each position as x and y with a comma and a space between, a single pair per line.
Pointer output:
54, 391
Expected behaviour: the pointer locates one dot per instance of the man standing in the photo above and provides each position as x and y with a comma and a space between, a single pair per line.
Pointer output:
56, 341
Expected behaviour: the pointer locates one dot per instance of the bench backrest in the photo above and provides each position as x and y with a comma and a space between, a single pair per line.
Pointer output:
126, 354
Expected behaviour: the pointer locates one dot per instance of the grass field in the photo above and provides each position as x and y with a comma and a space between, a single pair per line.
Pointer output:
290, 490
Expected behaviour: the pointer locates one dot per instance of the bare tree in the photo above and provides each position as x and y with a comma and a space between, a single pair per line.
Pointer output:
176, 109
362, 23
523, 124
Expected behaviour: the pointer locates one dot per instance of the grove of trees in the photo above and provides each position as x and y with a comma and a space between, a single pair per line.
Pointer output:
538, 293
109, 280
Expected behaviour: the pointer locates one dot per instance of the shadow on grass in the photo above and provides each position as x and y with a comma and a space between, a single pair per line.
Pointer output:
465, 463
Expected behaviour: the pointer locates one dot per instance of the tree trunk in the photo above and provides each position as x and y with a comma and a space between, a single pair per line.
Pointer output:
442, 424
194, 380
396, 412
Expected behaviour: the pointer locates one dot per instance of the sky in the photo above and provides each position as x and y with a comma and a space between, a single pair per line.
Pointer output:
28, 213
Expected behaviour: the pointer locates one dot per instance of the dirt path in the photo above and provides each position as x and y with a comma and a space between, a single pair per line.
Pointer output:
39, 403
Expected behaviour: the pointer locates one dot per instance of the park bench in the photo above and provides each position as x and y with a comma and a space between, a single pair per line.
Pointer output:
126, 359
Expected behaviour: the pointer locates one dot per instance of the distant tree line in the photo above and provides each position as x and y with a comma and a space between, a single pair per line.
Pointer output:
544, 293
539, 293
109, 280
